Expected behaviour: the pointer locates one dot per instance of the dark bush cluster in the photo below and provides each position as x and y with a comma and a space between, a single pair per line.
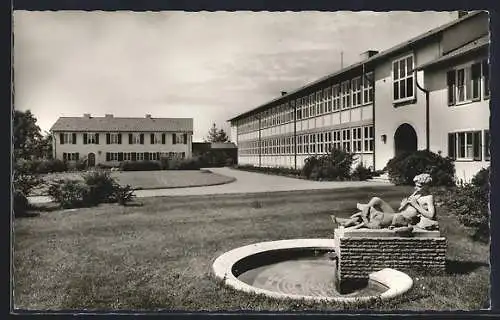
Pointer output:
97, 187
146, 165
78, 165
69, 193
23, 182
101, 186
194, 163
469, 203
404, 167
49, 166
482, 179
41, 166
334, 166
163, 164
216, 158
269, 170
362, 173
104, 166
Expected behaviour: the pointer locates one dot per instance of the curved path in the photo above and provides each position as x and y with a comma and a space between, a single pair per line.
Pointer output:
246, 182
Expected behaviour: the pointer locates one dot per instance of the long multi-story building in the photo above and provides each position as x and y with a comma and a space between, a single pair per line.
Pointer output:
389, 102
110, 140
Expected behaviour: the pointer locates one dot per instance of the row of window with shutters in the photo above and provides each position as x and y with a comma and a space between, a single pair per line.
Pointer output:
129, 156
469, 145
358, 139
116, 138
143, 156
341, 96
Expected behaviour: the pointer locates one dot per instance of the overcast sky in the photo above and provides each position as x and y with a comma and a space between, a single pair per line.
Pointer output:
208, 66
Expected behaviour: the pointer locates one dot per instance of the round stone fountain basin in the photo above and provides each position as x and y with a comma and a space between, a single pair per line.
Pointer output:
300, 269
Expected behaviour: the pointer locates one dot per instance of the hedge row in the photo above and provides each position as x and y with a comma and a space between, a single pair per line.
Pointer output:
164, 164
41, 166
334, 166
51, 166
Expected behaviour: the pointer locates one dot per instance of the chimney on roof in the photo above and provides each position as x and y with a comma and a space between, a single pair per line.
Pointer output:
367, 54
108, 115
462, 13
283, 93
86, 115
148, 116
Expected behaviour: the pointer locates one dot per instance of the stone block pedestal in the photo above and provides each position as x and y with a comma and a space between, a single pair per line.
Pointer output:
363, 251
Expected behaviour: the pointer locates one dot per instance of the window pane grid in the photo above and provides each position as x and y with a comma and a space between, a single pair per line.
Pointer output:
403, 79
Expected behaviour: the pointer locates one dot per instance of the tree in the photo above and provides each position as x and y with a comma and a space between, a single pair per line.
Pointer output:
26, 133
43, 148
216, 135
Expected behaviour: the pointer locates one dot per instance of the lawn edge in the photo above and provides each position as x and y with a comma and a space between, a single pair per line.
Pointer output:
229, 180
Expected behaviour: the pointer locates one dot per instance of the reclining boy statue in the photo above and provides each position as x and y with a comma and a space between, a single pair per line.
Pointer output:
416, 210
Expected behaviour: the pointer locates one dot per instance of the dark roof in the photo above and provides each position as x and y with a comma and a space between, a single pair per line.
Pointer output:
391, 51
123, 124
223, 145
470, 47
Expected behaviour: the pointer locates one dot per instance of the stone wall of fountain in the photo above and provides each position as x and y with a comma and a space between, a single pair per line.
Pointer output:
363, 251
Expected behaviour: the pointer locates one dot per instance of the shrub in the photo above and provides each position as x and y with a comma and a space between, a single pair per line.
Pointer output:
469, 203
124, 195
482, 179
48, 166
403, 168
229, 162
334, 166
194, 163
104, 166
309, 164
101, 186
21, 203
361, 173
97, 187
190, 164
146, 165
166, 163
26, 182
69, 193
78, 165
26, 166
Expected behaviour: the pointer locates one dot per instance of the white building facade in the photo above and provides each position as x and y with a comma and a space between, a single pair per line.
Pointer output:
389, 102
111, 140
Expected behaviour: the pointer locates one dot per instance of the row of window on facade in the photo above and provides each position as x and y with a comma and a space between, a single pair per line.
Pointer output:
469, 145
464, 85
129, 156
467, 83
347, 94
116, 138
464, 82
359, 139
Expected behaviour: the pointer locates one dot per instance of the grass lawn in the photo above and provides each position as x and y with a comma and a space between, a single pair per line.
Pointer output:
159, 255
150, 179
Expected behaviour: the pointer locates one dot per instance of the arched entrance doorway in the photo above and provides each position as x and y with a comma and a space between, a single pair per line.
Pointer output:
91, 159
405, 139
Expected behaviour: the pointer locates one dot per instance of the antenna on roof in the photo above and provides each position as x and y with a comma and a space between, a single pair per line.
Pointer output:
341, 59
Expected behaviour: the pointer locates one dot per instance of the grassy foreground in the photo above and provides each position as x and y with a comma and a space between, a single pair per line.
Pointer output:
159, 255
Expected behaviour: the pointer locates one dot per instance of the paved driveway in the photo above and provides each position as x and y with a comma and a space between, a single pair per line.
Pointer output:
246, 182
